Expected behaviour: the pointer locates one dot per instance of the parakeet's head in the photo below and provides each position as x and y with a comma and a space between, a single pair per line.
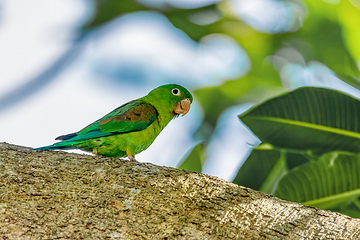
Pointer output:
174, 97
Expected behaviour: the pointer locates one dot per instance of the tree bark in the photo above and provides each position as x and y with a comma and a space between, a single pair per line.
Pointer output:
57, 195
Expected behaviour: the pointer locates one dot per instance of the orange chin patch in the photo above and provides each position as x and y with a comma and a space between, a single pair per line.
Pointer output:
183, 106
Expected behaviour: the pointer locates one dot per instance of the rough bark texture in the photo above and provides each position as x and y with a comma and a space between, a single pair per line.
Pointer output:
57, 195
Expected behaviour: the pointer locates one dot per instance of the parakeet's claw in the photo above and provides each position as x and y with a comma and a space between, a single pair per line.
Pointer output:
95, 151
183, 106
132, 158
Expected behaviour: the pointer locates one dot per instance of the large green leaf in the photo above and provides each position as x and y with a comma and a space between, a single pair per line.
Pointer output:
266, 166
330, 182
262, 170
316, 119
352, 210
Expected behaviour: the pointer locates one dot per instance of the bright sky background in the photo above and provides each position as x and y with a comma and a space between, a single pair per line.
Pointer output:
124, 60
143, 49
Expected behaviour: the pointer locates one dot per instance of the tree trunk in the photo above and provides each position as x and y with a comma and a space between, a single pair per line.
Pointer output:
51, 195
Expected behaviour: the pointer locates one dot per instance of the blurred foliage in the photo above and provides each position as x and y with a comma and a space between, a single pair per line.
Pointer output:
195, 160
295, 161
323, 38
108, 10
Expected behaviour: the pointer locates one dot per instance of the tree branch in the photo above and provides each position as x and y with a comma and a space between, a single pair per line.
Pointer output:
62, 195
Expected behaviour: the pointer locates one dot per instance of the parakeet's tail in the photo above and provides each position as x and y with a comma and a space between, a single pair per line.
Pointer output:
59, 145
66, 137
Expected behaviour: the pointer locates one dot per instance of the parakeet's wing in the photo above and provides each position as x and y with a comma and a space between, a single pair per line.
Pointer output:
132, 116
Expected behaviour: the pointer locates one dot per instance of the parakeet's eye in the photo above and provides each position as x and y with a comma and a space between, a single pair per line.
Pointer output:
175, 91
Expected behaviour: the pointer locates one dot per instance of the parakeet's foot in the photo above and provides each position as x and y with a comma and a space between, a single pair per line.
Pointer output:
132, 158
95, 151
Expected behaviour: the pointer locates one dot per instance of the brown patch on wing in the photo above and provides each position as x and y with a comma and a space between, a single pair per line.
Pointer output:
139, 113
104, 121
119, 118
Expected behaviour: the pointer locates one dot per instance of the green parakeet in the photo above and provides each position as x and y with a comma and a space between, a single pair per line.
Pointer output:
132, 127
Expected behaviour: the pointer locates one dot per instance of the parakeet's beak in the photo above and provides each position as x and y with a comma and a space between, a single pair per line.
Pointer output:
183, 106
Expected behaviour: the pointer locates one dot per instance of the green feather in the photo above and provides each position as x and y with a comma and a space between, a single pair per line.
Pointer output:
130, 128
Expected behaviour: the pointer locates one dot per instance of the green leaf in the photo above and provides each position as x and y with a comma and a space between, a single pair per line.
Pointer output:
266, 166
351, 80
195, 160
331, 181
316, 119
296, 159
352, 210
